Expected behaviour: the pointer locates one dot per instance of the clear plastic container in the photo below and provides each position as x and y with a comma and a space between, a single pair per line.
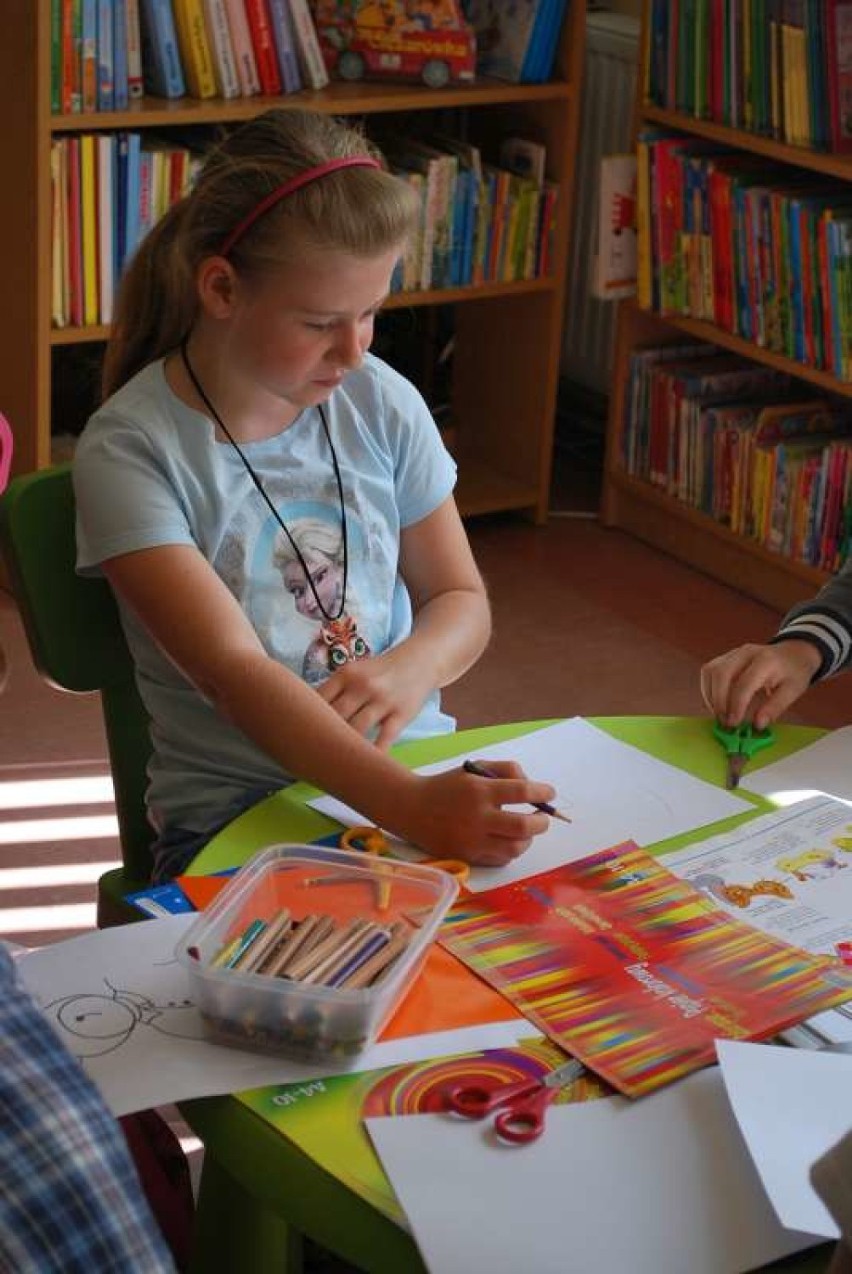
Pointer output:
283, 1015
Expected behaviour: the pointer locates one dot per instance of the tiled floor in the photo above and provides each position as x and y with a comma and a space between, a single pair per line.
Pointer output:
587, 621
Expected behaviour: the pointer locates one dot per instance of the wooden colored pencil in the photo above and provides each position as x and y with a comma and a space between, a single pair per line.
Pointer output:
230, 953
267, 941
377, 964
297, 938
308, 960
353, 939
370, 945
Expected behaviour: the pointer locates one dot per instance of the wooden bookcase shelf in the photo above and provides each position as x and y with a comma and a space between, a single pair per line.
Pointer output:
642, 509
507, 335
801, 156
339, 98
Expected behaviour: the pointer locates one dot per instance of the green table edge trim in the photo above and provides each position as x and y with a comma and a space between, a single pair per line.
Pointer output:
686, 742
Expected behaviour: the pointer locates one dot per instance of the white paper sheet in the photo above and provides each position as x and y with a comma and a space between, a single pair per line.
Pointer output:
611, 791
120, 1002
824, 766
803, 852
659, 1186
792, 1105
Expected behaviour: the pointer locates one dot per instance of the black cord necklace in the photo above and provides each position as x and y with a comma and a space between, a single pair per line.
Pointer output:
329, 618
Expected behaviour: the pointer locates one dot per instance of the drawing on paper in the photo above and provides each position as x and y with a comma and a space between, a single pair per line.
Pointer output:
93, 1023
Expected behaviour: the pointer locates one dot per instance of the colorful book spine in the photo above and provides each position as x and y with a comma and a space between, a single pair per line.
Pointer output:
146, 192
285, 45
89, 228
56, 56
243, 49
132, 201
106, 55
75, 233
135, 84
163, 73
58, 244
219, 39
260, 26
77, 56
121, 82
311, 61
547, 229
66, 45
119, 192
838, 22
105, 154
194, 48
89, 56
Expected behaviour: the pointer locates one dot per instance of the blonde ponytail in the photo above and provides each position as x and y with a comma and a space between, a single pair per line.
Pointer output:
156, 302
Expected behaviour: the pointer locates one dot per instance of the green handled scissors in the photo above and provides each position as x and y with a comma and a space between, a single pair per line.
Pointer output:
741, 742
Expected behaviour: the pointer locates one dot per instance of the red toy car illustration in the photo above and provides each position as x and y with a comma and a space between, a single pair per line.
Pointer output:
424, 40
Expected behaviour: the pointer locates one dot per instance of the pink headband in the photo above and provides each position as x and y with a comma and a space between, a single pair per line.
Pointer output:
288, 188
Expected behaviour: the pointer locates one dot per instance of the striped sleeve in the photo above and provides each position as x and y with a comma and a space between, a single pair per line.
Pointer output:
829, 633
826, 622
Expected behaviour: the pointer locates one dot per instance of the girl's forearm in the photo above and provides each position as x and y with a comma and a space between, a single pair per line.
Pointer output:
293, 724
449, 633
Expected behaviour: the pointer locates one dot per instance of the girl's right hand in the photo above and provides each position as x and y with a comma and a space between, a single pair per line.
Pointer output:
461, 815
758, 683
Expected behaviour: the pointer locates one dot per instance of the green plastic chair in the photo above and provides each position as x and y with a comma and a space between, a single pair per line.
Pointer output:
258, 1194
77, 644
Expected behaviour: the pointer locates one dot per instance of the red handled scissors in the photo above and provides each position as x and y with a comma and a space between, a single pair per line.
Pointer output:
526, 1101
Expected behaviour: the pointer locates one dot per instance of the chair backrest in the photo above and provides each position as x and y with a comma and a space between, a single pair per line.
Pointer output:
76, 638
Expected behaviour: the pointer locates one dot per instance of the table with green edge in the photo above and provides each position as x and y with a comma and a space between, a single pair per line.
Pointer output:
254, 1207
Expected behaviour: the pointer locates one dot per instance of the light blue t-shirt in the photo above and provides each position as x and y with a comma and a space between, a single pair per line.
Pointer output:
148, 471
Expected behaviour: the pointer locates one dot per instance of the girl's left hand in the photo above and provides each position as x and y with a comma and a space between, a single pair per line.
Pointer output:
382, 693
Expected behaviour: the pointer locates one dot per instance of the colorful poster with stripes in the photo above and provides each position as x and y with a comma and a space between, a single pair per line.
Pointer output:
324, 1117
634, 971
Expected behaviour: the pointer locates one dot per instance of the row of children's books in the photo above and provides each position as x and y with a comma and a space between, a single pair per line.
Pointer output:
106, 52
745, 445
479, 222
108, 190
782, 68
752, 247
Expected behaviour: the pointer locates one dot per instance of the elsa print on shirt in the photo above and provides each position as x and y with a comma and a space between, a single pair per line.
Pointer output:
261, 568
316, 584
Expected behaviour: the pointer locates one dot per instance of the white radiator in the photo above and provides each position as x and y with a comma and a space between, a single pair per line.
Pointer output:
609, 89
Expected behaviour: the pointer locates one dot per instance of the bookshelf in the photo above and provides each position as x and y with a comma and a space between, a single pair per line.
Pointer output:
507, 335
644, 510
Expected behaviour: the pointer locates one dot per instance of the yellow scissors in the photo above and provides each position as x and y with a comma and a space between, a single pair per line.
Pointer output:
372, 840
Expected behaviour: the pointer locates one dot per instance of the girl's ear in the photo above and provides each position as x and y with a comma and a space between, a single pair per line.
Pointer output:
217, 287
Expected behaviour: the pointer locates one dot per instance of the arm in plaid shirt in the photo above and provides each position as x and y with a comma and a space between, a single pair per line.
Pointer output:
70, 1199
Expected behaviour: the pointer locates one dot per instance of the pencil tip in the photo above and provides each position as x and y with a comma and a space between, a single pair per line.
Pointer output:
563, 817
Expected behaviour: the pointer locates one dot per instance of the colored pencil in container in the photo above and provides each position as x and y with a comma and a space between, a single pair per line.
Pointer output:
376, 966
266, 942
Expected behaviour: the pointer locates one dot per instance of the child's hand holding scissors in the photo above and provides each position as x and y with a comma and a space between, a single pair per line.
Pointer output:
758, 683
